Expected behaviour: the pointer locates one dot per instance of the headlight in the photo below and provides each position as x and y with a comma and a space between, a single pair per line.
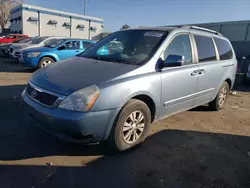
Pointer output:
33, 54
81, 100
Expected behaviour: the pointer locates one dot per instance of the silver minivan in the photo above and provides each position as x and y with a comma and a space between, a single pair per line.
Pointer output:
114, 95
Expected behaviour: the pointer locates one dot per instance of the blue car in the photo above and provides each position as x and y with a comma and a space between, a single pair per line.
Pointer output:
56, 50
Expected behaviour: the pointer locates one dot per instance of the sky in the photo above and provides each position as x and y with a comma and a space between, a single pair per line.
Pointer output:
153, 12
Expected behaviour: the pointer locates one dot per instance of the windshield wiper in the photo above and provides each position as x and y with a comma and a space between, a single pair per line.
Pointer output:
104, 59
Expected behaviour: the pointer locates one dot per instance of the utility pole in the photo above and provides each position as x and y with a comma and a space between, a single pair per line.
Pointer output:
84, 1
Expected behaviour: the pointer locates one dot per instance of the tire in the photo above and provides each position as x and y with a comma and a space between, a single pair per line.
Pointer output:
41, 63
119, 135
220, 100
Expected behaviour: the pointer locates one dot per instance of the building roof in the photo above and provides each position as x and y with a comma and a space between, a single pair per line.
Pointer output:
53, 12
215, 23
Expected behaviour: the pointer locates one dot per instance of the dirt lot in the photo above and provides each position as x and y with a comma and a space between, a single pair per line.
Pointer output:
196, 149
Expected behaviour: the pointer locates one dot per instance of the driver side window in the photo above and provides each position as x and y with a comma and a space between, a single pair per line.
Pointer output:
180, 46
72, 45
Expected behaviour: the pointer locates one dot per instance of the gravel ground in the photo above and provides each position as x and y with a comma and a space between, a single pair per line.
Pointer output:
196, 149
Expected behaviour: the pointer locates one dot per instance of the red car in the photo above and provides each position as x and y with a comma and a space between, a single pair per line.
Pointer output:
12, 37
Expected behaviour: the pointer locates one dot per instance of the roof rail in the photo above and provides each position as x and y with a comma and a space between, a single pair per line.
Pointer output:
201, 29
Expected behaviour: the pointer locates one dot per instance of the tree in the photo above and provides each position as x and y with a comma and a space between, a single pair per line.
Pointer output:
5, 7
125, 26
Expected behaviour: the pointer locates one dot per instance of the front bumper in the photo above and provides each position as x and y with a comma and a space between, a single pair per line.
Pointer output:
79, 127
13, 55
29, 62
3, 52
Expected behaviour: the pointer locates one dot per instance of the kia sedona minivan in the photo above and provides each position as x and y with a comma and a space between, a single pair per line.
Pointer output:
116, 96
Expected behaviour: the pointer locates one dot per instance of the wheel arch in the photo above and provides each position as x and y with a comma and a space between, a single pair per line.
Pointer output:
48, 55
229, 81
149, 102
145, 97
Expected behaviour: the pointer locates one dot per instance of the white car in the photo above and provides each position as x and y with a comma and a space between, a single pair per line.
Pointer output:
15, 50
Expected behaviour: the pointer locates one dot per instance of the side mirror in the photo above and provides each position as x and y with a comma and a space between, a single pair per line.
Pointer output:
61, 48
174, 61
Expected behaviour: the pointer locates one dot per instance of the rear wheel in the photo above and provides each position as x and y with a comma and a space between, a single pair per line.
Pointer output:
220, 100
131, 126
44, 62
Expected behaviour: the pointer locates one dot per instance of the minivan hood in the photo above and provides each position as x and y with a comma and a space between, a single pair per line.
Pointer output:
40, 49
5, 45
76, 73
25, 46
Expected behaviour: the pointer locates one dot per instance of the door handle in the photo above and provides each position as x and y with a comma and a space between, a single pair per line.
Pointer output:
201, 71
77, 51
195, 73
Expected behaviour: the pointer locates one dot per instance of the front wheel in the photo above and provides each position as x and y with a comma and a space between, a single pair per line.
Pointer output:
131, 126
220, 100
45, 61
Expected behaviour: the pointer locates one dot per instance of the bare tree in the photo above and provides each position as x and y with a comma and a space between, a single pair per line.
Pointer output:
125, 27
5, 7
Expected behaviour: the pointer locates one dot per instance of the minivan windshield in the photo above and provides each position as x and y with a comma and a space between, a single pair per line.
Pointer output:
127, 46
38, 40
25, 40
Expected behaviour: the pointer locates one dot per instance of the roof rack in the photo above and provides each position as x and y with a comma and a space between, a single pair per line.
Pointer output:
201, 29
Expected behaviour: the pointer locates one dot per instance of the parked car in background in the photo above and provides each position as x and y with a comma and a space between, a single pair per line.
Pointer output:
12, 37
160, 71
54, 51
15, 50
4, 47
247, 74
111, 48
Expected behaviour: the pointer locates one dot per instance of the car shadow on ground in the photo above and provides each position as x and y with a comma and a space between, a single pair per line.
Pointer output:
13, 65
169, 158
242, 87
203, 108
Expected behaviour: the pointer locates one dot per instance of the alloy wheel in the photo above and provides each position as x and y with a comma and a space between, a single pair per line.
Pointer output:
223, 96
46, 63
133, 127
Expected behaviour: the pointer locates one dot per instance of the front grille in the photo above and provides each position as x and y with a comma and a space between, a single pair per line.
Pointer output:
40, 96
11, 50
18, 54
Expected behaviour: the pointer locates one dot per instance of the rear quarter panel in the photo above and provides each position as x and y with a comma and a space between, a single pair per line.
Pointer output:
229, 70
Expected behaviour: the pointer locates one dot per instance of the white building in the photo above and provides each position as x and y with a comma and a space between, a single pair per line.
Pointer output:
38, 21
238, 32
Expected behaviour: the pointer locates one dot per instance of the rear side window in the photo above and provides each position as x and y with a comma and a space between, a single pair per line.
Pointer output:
224, 49
205, 47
